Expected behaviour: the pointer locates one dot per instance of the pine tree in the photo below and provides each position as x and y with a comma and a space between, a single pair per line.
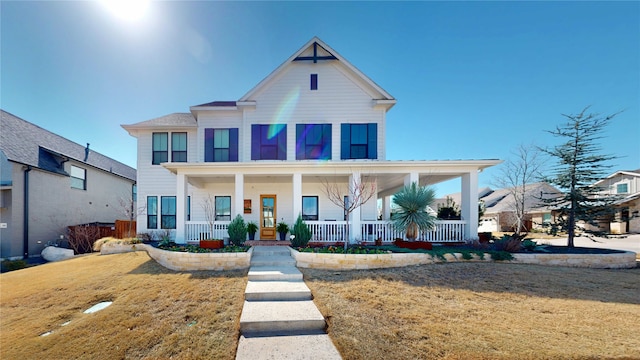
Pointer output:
579, 165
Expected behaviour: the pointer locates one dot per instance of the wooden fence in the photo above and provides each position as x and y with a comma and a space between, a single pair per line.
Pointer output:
123, 230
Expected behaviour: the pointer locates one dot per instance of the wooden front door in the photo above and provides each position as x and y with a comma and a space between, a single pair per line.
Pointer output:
268, 217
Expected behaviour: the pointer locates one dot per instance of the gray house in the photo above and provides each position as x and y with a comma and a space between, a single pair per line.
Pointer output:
48, 183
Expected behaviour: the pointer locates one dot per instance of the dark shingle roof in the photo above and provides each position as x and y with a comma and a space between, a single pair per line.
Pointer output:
22, 142
219, 103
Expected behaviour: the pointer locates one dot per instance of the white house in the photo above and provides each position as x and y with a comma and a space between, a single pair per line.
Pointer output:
315, 119
626, 185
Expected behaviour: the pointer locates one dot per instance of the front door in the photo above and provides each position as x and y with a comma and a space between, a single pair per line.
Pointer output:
268, 217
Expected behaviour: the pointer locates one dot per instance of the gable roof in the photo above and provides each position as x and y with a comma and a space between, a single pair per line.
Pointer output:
327, 53
171, 121
26, 143
620, 172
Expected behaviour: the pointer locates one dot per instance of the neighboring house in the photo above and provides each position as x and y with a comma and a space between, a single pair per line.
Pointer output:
499, 207
314, 119
625, 184
48, 183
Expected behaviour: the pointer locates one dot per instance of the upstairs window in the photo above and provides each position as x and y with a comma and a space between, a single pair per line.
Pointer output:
160, 148
622, 188
223, 208
359, 141
179, 147
78, 178
220, 145
313, 141
314, 81
269, 142
168, 211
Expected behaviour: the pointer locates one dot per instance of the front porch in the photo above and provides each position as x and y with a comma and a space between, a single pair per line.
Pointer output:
329, 232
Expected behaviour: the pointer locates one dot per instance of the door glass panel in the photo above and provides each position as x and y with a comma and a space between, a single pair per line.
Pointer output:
268, 219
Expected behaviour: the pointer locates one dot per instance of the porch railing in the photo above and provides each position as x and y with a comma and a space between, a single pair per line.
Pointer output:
197, 230
336, 231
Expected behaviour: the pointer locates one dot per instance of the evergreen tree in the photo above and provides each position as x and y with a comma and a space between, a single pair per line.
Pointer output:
579, 165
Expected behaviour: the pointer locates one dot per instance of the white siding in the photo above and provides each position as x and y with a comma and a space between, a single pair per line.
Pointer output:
220, 120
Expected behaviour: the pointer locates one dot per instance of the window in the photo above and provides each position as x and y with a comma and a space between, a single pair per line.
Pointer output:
223, 207
134, 192
314, 81
168, 211
78, 178
622, 188
160, 148
546, 218
359, 141
179, 147
269, 142
152, 212
313, 141
309, 208
220, 145
188, 208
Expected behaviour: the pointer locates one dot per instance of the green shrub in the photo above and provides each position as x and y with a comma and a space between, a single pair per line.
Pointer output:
529, 245
237, 231
301, 233
10, 265
501, 255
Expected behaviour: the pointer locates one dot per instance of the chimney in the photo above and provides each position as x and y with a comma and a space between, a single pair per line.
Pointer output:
86, 153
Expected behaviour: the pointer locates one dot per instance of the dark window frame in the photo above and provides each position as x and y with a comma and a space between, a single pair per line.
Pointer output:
179, 155
311, 217
314, 82
168, 212
313, 141
214, 152
159, 155
222, 216
152, 212
359, 141
78, 182
269, 142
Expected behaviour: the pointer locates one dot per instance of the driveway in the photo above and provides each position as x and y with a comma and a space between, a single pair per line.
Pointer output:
630, 242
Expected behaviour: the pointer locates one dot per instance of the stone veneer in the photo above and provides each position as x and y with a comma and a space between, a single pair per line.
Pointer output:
376, 261
184, 261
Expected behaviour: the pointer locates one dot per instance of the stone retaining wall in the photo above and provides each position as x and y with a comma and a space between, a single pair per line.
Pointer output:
378, 261
184, 261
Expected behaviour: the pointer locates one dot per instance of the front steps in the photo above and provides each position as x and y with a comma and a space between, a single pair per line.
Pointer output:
279, 320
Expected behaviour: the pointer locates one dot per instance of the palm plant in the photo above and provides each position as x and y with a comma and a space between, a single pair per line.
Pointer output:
411, 215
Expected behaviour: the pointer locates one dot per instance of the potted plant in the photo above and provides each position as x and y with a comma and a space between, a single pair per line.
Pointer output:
252, 228
282, 228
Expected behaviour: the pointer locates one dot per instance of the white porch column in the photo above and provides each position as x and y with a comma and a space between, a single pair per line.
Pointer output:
297, 195
469, 204
356, 218
238, 208
181, 208
413, 177
386, 208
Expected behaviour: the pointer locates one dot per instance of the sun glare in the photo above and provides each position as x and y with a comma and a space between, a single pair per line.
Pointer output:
129, 10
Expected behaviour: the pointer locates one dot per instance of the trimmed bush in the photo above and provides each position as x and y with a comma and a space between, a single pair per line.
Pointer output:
301, 232
237, 231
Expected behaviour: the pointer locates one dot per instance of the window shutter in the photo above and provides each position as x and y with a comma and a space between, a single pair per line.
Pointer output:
326, 141
255, 142
300, 151
345, 141
372, 141
282, 143
233, 144
208, 145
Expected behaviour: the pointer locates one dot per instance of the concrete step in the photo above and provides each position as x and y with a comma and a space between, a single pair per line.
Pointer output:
272, 260
271, 250
280, 317
317, 347
277, 291
274, 273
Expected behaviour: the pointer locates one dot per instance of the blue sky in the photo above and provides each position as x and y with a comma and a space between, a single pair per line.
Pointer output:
473, 80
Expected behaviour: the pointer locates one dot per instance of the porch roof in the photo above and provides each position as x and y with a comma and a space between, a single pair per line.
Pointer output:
389, 175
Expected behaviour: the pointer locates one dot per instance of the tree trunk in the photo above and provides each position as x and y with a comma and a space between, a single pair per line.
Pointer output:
412, 231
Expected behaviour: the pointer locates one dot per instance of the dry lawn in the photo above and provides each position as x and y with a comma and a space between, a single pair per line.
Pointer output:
481, 311
156, 313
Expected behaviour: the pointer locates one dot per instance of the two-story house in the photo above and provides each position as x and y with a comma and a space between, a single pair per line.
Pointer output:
626, 185
48, 183
315, 120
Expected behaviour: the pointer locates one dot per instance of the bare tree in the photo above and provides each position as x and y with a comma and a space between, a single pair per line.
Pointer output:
128, 208
515, 174
358, 192
208, 204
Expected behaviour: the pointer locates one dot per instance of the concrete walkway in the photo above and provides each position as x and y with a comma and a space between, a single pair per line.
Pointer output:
279, 320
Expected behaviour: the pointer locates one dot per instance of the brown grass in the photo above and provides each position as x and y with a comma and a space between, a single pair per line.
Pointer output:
156, 313
481, 311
